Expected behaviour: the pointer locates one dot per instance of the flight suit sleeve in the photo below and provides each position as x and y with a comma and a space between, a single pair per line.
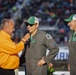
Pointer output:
52, 47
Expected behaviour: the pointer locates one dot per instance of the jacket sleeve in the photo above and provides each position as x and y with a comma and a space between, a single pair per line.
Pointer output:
9, 47
52, 47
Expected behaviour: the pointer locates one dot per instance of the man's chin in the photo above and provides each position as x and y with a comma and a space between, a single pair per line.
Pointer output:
71, 28
29, 31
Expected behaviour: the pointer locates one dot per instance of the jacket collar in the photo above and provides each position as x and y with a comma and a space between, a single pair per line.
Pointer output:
5, 34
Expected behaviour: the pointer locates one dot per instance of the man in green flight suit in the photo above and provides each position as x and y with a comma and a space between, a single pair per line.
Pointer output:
72, 44
36, 59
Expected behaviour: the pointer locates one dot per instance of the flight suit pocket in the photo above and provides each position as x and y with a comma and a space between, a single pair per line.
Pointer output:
37, 70
34, 64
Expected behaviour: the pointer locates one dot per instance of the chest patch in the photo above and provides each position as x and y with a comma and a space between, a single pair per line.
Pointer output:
48, 36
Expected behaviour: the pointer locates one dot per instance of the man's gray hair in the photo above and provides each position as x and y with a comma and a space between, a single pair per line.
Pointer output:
4, 22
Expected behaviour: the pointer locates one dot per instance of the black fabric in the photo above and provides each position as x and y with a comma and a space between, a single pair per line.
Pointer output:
22, 57
6, 72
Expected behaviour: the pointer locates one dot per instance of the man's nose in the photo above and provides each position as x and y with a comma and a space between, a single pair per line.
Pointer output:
69, 24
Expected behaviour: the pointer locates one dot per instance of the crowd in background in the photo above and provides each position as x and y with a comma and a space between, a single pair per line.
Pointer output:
47, 11
8, 8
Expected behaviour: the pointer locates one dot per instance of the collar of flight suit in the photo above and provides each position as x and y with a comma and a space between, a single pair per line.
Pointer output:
31, 37
73, 37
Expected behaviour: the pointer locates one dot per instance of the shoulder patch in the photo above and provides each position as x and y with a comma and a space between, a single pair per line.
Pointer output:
48, 36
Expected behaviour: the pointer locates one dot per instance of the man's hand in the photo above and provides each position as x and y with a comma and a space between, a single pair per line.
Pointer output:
26, 37
41, 62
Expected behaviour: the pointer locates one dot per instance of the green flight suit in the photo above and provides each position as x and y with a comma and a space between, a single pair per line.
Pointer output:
72, 53
36, 50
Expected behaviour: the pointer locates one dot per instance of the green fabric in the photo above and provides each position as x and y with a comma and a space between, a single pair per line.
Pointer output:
73, 38
31, 20
70, 18
32, 41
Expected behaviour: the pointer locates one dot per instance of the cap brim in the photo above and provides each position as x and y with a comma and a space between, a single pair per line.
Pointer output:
27, 22
67, 20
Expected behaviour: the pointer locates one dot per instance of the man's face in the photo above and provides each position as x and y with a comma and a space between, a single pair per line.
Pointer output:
32, 28
10, 27
72, 25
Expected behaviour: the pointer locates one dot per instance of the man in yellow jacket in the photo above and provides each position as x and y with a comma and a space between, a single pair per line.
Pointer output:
9, 50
